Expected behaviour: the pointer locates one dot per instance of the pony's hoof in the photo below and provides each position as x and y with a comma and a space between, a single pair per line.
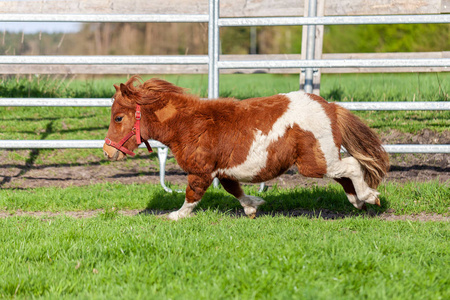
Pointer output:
252, 216
377, 202
173, 216
250, 211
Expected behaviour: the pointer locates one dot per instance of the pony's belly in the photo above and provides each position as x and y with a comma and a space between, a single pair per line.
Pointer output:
256, 160
270, 170
242, 173
270, 160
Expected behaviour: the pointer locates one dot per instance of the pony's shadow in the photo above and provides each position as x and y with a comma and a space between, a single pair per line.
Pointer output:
316, 202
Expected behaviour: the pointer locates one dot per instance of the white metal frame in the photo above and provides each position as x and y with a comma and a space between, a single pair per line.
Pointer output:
215, 64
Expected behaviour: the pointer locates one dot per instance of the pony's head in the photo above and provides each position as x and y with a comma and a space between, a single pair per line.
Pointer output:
132, 112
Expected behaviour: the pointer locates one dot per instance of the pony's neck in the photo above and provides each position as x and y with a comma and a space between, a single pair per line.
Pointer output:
172, 119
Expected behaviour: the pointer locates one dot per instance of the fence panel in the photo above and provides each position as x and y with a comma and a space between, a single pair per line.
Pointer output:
186, 11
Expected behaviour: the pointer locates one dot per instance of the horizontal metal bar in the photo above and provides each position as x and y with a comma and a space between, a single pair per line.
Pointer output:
64, 102
335, 63
62, 144
203, 18
94, 18
335, 20
408, 148
235, 64
106, 102
96, 144
432, 105
104, 59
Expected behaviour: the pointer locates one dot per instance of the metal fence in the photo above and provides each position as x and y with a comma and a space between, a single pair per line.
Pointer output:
215, 64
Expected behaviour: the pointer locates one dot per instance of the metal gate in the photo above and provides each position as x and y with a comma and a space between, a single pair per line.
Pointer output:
215, 64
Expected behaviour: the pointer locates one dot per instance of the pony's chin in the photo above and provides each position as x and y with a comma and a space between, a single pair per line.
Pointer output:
119, 155
113, 154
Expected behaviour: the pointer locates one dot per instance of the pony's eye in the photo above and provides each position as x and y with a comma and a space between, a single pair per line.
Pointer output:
118, 119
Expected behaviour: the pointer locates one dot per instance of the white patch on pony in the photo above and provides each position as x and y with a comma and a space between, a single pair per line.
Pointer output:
355, 201
183, 212
309, 115
351, 168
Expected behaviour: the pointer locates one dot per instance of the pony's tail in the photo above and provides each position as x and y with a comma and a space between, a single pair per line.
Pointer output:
363, 144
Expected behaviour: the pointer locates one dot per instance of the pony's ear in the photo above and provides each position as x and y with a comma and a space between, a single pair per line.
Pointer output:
124, 89
127, 93
116, 87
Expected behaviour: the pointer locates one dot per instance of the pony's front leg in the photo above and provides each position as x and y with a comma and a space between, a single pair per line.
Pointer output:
197, 186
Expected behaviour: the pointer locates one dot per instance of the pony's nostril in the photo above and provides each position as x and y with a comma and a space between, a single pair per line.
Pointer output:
105, 154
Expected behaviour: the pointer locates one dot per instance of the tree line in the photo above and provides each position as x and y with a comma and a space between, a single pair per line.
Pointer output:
181, 38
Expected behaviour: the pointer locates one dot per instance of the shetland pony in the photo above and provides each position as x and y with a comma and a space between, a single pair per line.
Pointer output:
252, 140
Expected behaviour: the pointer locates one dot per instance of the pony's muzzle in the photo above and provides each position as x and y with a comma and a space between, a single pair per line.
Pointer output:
112, 153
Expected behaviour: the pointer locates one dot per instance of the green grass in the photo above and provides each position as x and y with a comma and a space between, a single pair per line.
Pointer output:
408, 198
342, 87
214, 256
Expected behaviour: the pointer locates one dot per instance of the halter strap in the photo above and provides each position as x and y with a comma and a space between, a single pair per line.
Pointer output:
135, 131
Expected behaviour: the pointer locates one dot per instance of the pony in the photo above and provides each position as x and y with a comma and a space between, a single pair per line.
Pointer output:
251, 140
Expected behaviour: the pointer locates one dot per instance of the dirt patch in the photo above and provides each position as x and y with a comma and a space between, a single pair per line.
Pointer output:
424, 136
144, 169
323, 214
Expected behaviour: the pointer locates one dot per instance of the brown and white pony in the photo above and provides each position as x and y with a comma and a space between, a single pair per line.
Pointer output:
252, 140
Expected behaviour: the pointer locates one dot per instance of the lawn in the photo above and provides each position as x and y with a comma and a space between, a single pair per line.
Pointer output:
407, 198
215, 256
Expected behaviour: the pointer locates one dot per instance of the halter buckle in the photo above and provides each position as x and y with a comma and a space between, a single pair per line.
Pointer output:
137, 115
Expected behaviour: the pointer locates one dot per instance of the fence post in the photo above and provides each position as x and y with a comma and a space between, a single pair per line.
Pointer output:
320, 8
310, 46
213, 49
213, 54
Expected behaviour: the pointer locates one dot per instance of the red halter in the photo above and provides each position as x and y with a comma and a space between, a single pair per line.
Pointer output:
135, 131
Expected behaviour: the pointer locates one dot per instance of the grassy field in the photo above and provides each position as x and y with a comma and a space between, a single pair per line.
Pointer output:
343, 87
215, 254
409, 198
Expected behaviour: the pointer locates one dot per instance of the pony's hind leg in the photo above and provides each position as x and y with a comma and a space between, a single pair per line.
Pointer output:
350, 168
249, 203
350, 192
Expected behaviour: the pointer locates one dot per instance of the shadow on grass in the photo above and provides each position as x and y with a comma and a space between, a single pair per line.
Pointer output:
329, 202
34, 154
65, 131
43, 118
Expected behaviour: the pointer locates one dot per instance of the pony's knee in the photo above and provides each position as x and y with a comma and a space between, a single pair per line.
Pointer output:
358, 192
356, 202
353, 199
370, 196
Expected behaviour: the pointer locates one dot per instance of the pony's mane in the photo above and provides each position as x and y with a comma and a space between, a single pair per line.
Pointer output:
161, 86
154, 85
146, 92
